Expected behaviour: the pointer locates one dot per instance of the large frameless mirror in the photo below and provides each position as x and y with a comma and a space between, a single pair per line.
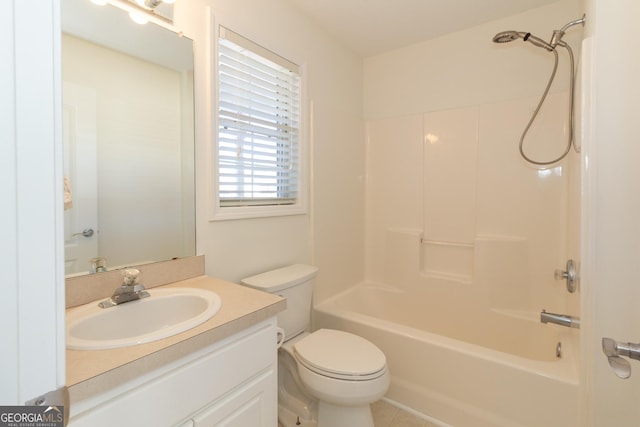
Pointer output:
128, 140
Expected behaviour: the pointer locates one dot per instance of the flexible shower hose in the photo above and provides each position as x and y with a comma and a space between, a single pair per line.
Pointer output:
570, 140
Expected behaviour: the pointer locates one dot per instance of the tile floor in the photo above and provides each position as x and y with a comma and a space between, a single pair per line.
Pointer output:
387, 415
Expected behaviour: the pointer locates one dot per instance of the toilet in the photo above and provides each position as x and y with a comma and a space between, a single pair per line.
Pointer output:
326, 378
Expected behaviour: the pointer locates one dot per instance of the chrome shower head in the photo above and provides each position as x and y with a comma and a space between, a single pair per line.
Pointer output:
507, 36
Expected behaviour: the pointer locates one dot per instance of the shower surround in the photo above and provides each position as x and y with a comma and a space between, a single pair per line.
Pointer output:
463, 236
484, 217
463, 241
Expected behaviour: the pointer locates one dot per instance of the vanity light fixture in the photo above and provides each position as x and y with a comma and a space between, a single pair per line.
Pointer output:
152, 4
147, 7
140, 11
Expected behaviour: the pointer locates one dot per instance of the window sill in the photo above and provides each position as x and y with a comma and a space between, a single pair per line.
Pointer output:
248, 212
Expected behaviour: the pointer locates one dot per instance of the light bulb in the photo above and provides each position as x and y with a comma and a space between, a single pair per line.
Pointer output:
99, 2
138, 17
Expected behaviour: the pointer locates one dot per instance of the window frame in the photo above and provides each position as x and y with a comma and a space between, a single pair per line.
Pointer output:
300, 206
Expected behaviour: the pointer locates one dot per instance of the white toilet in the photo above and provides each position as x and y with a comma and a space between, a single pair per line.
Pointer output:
328, 376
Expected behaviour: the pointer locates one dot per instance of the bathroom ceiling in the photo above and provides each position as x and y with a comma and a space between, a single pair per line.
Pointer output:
370, 27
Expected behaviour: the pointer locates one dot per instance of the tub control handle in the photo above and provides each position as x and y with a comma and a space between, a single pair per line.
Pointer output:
570, 275
616, 351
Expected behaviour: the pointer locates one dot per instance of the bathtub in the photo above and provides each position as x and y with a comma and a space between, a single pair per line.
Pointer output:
460, 365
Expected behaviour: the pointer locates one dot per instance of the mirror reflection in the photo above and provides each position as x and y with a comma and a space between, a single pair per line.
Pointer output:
128, 140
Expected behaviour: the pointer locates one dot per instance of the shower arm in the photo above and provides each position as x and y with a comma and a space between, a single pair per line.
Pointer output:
558, 34
575, 22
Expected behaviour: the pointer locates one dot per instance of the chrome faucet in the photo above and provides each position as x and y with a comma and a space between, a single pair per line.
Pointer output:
130, 290
560, 319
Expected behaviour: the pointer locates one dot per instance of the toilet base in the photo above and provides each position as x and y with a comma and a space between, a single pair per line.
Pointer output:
330, 415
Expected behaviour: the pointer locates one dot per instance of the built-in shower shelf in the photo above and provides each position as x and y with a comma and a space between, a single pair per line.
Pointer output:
443, 275
447, 260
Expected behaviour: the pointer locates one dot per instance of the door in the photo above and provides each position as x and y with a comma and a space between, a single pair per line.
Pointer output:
79, 135
611, 293
32, 360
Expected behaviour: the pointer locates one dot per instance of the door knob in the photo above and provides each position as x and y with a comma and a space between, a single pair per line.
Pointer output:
87, 232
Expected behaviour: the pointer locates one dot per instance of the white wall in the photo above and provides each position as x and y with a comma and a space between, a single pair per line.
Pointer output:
444, 120
331, 235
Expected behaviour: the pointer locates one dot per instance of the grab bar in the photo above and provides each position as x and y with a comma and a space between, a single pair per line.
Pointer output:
560, 319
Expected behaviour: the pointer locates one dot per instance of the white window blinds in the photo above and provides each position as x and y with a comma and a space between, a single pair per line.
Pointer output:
258, 125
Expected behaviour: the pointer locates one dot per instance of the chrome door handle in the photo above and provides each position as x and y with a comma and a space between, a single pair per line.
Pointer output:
615, 351
87, 232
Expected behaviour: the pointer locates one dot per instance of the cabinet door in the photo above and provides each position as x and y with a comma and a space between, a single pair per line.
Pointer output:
251, 404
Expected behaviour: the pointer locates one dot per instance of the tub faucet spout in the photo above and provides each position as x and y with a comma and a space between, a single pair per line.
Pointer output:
560, 319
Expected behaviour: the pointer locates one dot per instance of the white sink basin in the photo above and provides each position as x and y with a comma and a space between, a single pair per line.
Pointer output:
166, 312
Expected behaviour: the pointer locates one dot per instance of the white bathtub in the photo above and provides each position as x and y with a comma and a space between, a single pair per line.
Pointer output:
462, 366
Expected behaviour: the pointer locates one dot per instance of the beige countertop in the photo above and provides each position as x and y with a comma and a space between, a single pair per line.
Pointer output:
93, 371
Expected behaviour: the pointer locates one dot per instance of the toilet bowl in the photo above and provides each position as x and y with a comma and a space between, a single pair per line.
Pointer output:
328, 377
345, 372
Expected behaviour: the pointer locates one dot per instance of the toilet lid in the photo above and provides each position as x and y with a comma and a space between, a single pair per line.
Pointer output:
340, 354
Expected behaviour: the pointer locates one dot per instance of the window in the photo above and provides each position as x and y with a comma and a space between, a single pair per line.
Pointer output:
259, 135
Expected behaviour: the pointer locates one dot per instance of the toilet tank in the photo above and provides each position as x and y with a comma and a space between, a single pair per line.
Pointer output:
295, 283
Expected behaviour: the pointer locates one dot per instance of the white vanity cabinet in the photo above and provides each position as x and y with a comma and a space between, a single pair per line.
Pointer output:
230, 383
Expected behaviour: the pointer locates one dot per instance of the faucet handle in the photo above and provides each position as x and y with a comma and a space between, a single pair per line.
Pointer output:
570, 275
130, 276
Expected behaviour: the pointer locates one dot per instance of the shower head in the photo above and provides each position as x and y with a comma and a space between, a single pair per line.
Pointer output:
509, 36
556, 38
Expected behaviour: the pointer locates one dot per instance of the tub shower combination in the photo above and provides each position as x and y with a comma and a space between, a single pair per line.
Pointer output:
456, 351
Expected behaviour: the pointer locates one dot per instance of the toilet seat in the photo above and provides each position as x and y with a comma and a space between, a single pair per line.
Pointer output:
340, 355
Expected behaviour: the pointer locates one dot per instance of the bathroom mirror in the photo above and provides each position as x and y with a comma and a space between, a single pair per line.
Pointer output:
128, 139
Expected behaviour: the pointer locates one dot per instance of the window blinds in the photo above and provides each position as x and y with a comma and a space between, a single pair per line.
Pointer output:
258, 125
